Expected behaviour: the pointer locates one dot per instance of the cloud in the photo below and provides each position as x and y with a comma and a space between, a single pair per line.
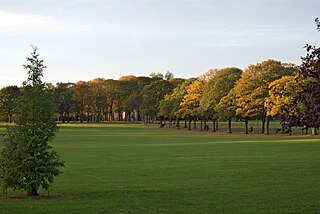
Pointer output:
38, 25
13, 21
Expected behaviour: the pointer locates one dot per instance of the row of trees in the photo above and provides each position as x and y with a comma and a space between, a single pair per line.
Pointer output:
267, 90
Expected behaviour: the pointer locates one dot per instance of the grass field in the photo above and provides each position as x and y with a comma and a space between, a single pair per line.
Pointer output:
143, 169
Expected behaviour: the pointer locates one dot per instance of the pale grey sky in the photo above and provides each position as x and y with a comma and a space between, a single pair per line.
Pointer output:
86, 39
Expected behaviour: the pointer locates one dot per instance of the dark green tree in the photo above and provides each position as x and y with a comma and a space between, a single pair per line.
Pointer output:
27, 161
305, 110
152, 94
63, 100
8, 98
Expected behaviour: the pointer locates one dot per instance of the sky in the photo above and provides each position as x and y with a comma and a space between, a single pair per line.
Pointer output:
87, 39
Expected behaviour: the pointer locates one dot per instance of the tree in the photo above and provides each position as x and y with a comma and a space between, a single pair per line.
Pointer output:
8, 97
80, 94
152, 95
129, 101
170, 105
27, 161
216, 88
168, 75
63, 100
281, 94
251, 89
190, 104
157, 76
305, 110
226, 108
109, 89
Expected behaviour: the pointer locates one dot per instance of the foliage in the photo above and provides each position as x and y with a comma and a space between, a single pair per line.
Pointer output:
63, 99
157, 76
217, 87
152, 95
27, 161
226, 108
281, 94
305, 108
190, 105
8, 98
252, 88
170, 105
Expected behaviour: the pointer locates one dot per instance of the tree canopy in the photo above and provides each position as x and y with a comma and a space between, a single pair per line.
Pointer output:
27, 161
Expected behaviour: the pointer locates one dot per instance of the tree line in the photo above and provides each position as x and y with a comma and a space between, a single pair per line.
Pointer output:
267, 90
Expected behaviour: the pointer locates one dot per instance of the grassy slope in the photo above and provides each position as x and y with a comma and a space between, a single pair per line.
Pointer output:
139, 169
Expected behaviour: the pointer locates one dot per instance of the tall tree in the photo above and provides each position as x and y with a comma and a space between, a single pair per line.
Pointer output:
190, 104
27, 161
281, 94
216, 88
306, 110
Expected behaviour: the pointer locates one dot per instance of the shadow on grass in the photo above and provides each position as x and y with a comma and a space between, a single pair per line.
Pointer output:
23, 197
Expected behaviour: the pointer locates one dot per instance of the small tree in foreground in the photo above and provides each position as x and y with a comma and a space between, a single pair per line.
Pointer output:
27, 161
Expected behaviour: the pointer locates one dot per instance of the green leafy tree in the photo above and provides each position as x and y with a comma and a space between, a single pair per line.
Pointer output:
157, 76
226, 108
216, 88
63, 100
152, 95
27, 161
8, 98
170, 105
168, 75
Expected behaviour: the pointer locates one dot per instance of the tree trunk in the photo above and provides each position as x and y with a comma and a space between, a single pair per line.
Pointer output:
214, 125
32, 192
185, 123
314, 131
283, 128
290, 130
263, 124
268, 127
205, 124
189, 124
68, 117
129, 117
111, 114
81, 117
229, 125
201, 125
217, 124
194, 123
307, 130
246, 126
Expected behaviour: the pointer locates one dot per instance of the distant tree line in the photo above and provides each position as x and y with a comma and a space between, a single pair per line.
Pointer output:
264, 91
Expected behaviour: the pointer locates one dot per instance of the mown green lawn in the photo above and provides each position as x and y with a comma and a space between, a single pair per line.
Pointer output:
143, 169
